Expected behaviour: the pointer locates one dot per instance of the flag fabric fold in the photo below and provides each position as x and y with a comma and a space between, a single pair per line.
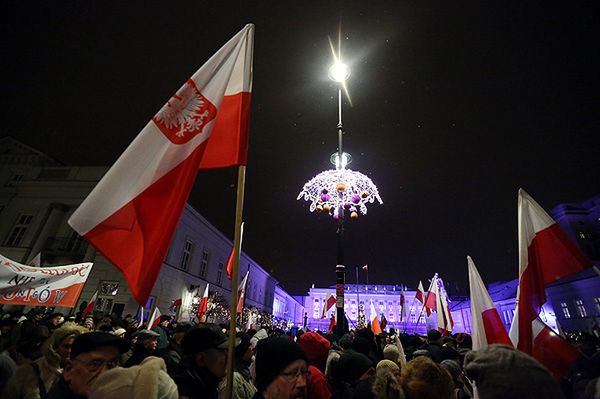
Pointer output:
487, 327
131, 215
430, 298
140, 317
444, 320
375, 326
546, 254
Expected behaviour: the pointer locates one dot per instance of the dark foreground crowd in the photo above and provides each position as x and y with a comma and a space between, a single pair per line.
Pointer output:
44, 356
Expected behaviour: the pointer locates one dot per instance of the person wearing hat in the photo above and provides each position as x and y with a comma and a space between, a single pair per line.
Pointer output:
91, 354
172, 354
203, 363
281, 369
242, 380
35, 379
316, 348
145, 345
353, 375
161, 329
434, 347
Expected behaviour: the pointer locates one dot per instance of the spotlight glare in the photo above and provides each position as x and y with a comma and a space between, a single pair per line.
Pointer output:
339, 72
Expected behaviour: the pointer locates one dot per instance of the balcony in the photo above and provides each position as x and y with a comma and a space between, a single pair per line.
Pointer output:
73, 247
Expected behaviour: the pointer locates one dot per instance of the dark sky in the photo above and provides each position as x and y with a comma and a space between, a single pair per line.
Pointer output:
455, 106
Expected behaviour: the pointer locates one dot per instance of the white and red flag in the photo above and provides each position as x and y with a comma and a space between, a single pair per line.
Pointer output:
242, 293
431, 298
420, 294
90, 306
375, 326
131, 214
329, 302
154, 319
203, 306
487, 327
546, 254
229, 267
552, 350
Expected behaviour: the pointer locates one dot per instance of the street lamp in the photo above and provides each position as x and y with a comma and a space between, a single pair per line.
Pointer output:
340, 190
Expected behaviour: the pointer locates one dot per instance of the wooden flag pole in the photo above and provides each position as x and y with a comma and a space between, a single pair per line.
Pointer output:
239, 208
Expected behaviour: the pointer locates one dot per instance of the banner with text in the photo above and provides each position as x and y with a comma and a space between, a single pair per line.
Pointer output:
41, 286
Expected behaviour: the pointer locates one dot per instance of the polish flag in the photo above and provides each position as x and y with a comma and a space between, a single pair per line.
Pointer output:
332, 324
550, 349
486, 323
229, 267
420, 295
140, 317
131, 215
90, 305
203, 306
375, 327
154, 319
241, 293
329, 302
546, 254
430, 298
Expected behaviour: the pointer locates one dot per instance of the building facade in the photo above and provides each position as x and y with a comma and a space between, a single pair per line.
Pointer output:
37, 197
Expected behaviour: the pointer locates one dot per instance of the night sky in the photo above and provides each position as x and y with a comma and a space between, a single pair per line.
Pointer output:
455, 105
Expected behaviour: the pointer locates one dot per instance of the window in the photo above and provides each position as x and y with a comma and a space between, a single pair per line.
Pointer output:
565, 310
580, 308
18, 231
220, 273
109, 288
316, 309
188, 248
507, 315
584, 235
597, 302
204, 264
74, 242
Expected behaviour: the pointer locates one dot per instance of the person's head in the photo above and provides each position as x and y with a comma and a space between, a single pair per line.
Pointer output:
386, 365
434, 337
391, 352
422, 378
352, 367
92, 354
55, 319
179, 332
206, 347
501, 371
244, 351
316, 348
147, 339
58, 347
164, 321
281, 369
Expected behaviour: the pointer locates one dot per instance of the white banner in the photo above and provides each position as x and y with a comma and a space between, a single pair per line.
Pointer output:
41, 286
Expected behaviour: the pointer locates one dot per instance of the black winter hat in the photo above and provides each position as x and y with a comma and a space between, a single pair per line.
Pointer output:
351, 366
273, 355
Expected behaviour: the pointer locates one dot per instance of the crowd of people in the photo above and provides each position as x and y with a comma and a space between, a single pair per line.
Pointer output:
47, 356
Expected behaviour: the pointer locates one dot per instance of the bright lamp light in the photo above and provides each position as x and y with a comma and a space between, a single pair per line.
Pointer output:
339, 72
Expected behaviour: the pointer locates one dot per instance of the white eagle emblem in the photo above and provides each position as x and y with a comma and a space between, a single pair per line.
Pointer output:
185, 114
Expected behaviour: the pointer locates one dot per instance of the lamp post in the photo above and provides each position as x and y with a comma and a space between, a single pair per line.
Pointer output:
340, 191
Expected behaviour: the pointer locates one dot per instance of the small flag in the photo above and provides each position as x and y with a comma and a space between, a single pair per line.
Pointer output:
140, 317
329, 302
154, 319
203, 306
241, 293
430, 298
375, 326
90, 305
332, 323
420, 295
229, 268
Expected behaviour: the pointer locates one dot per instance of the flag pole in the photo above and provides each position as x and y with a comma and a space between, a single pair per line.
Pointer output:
425, 301
239, 208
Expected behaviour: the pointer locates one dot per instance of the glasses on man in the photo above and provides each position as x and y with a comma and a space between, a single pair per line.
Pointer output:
292, 376
97, 364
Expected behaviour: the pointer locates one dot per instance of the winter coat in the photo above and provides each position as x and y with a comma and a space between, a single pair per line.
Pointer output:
242, 387
194, 382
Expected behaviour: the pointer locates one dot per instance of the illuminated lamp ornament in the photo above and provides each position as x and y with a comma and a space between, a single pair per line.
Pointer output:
319, 208
347, 205
357, 187
354, 215
341, 187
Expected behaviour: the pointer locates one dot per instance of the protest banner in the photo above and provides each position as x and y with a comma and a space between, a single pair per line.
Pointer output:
41, 286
